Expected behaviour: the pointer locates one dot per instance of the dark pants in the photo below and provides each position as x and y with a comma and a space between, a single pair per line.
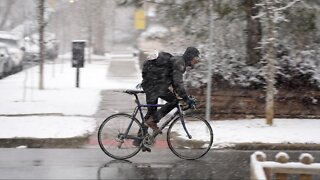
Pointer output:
152, 98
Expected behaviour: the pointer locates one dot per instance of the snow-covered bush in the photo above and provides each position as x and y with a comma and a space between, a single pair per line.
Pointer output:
295, 70
301, 69
228, 67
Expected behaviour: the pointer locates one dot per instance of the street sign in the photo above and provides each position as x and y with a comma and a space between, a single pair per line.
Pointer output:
78, 57
78, 53
139, 19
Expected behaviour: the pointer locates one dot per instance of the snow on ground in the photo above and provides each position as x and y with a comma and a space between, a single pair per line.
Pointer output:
62, 110
229, 132
46, 127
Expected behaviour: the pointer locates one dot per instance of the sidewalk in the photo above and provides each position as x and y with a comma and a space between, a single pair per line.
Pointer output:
65, 116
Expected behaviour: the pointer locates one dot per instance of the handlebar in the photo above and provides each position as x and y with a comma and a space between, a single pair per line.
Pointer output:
188, 107
184, 108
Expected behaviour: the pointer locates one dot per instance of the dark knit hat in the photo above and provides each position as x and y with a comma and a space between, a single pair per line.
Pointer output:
190, 53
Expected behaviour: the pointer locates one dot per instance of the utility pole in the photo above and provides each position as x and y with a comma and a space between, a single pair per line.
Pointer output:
208, 98
41, 40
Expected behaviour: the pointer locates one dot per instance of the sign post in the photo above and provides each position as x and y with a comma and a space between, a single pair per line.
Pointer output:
78, 57
209, 84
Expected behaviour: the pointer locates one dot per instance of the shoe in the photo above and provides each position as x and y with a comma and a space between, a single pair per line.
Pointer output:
151, 124
144, 149
137, 141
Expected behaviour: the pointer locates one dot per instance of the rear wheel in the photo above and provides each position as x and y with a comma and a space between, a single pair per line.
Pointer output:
190, 148
112, 136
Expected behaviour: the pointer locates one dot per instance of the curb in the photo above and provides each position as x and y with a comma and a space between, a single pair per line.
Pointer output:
83, 142
74, 142
275, 146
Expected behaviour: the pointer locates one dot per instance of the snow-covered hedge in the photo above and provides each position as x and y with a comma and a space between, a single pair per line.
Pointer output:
301, 69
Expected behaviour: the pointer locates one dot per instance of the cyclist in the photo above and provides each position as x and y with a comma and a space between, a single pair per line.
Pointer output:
159, 74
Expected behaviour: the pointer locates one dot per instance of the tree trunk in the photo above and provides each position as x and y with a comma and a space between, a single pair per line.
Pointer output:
270, 64
254, 33
99, 46
90, 11
5, 15
41, 40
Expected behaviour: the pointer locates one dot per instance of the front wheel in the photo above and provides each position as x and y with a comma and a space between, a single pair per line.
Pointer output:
116, 135
193, 147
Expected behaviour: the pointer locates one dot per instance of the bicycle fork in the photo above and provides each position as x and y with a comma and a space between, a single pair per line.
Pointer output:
182, 122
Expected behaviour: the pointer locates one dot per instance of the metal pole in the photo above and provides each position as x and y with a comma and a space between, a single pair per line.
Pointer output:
77, 78
208, 98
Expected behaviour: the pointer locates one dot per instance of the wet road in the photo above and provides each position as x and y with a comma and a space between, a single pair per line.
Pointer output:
93, 164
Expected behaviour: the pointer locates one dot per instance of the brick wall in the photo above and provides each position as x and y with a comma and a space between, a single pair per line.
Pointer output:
243, 103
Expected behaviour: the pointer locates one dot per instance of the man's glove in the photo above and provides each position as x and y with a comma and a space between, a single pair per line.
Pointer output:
191, 102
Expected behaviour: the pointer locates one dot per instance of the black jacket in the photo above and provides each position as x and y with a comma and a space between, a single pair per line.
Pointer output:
159, 74
178, 69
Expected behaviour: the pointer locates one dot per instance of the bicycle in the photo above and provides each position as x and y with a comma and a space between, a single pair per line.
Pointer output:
188, 137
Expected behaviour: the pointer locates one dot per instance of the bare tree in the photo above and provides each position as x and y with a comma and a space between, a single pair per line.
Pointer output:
272, 14
89, 14
254, 32
99, 46
7, 8
270, 59
41, 23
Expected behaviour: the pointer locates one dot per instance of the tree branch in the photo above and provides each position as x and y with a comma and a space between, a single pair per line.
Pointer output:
287, 6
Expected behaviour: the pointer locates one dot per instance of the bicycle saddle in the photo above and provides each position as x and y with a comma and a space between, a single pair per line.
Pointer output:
130, 91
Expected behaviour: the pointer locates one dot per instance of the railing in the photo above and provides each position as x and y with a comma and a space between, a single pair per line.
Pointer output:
260, 169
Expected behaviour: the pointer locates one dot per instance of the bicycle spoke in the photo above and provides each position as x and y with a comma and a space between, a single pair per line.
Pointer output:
190, 148
113, 140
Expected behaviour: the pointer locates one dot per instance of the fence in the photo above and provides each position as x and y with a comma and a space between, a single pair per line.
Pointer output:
281, 168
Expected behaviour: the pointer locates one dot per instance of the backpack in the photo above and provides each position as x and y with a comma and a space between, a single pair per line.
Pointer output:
157, 71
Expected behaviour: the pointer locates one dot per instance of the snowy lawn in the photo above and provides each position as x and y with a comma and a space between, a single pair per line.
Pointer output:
60, 110
229, 132
46, 127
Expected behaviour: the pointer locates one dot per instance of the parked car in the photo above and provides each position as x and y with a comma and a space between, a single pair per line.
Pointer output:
31, 50
12, 42
32, 47
6, 64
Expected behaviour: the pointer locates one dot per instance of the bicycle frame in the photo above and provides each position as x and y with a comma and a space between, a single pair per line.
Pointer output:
139, 107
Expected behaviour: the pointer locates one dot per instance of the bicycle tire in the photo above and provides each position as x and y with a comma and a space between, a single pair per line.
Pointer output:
198, 145
110, 132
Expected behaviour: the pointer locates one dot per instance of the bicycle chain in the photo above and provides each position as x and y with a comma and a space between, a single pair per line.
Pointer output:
148, 141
